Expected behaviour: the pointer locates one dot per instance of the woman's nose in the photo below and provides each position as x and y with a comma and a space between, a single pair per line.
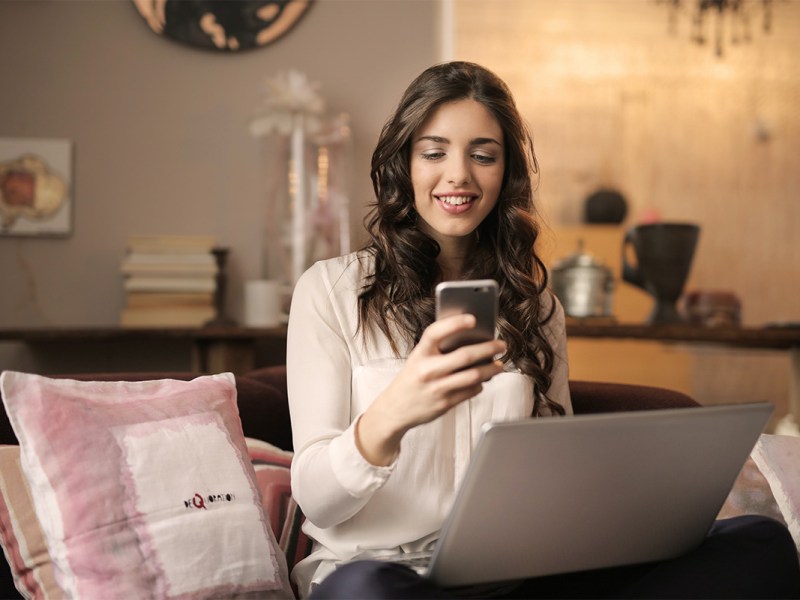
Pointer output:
458, 172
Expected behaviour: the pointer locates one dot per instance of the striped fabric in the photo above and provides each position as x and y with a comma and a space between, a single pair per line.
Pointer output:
272, 466
20, 533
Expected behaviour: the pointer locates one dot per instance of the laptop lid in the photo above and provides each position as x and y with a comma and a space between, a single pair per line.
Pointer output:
557, 495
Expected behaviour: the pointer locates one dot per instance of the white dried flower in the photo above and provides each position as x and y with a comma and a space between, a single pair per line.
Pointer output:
287, 95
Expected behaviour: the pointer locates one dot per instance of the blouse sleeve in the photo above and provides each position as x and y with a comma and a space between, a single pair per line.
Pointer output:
331, 481
556, 331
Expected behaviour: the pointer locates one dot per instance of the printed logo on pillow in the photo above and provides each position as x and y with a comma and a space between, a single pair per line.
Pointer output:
199, 502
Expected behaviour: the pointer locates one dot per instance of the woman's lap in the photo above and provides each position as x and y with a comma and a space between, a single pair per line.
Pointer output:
366, 579
744, 557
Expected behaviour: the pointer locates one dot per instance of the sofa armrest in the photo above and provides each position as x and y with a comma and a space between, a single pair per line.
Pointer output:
599, 397
264, 406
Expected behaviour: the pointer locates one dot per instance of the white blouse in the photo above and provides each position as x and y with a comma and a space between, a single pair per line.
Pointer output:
354, 509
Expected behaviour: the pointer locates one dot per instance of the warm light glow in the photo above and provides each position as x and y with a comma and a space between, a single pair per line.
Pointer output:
293, 183
322, 174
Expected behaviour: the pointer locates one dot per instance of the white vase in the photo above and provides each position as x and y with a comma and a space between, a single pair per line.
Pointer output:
307, 194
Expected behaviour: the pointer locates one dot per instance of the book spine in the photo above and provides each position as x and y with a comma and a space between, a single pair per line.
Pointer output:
164, 299
168, 258
177, 244
169, 270
174, 317
169, 284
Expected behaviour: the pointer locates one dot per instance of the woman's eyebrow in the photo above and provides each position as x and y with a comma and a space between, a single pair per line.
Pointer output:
484, 140
433, 138
473, 142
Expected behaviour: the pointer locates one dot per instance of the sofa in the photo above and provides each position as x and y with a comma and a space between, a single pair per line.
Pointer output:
263, 408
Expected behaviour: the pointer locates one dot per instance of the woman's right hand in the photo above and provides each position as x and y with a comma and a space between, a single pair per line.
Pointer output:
430, 384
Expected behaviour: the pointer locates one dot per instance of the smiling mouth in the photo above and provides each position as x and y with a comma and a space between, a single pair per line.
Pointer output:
456, 200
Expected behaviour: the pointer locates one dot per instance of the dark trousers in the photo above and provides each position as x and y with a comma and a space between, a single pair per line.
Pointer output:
743, 557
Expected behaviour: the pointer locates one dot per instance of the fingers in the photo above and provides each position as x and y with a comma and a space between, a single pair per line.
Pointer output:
465, 384
456, 386
472, 375
461, 395
438, 331
473, 355
434, 365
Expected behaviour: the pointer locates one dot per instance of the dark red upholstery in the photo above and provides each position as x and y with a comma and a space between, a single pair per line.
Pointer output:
596, 397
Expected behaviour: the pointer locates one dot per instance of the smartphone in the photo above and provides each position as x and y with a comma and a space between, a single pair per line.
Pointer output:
478, 297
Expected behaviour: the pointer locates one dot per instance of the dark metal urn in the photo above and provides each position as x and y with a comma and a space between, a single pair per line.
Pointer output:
664, 253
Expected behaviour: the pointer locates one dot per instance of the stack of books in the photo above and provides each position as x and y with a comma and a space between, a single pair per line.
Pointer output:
169, 281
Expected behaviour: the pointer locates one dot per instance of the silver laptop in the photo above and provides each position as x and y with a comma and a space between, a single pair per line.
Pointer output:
557, 495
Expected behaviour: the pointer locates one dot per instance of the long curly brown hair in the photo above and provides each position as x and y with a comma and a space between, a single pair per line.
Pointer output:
398, 297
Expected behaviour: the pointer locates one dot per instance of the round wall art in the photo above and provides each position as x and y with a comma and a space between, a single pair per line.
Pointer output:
223, 25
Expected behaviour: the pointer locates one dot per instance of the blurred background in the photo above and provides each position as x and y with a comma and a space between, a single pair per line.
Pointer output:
619, 95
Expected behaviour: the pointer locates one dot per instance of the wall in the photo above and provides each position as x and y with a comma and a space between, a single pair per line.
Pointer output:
615, 98
160, 135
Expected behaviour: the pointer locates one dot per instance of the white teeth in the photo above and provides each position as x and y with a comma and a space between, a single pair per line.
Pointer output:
455, 200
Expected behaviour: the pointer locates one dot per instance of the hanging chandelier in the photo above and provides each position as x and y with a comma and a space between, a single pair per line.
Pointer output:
721, 19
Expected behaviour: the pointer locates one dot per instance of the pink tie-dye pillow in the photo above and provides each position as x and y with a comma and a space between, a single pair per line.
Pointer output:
144, 489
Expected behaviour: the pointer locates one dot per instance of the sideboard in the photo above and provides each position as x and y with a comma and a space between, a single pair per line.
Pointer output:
216, 349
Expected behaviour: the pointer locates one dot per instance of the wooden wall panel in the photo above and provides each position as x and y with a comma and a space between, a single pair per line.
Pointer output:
614, 98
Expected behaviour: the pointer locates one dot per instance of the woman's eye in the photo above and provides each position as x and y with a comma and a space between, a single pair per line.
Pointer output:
432, 155
484, 159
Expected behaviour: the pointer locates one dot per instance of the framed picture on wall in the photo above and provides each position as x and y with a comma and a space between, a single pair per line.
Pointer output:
35, 187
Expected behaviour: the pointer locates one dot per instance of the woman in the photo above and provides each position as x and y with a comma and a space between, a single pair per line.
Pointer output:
383, 422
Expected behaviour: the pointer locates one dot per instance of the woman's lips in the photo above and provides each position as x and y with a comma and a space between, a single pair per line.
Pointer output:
455, 204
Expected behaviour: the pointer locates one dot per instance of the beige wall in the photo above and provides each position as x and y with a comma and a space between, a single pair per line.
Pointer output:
614, 98
160, 134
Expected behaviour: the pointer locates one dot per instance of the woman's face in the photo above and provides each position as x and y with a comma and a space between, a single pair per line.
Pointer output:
457, 166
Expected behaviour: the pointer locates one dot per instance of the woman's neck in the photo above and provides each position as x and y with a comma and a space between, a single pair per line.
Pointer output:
453, 256
453, 251
450, 272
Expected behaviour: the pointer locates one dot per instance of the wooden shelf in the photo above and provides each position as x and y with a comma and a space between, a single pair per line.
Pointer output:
772, 338
86, 334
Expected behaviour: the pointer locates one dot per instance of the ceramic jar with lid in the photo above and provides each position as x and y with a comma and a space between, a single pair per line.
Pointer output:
583, 284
